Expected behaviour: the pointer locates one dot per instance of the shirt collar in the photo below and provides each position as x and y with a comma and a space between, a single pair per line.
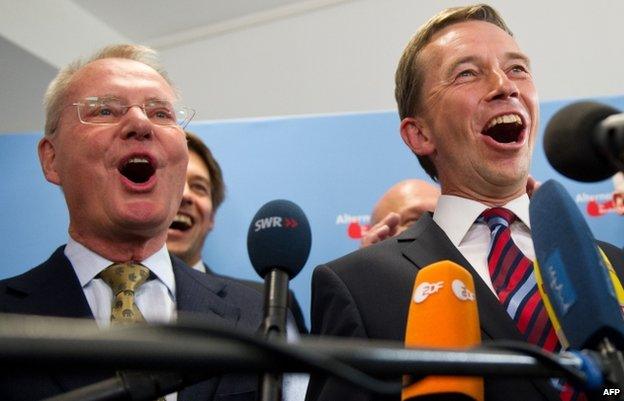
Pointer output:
200, 266
88, 264
455, 215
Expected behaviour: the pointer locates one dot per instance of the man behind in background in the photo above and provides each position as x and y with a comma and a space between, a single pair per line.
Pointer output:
398, 208
204, 192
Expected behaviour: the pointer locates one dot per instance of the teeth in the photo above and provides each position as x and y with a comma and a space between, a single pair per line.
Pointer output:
138, 160
181, 218
505, 119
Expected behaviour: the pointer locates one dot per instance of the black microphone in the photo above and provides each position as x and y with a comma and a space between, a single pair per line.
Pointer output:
584, 141
278, 243
576, 278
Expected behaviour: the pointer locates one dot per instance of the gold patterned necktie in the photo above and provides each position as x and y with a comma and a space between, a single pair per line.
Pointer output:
124, 279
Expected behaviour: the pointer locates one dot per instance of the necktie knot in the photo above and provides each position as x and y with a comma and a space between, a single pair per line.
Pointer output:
124, 279
124, 276
497, 216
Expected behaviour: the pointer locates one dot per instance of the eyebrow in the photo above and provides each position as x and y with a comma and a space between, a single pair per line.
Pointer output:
456, 63
200, 178
518, 56
157, 99
475, 59
110, 96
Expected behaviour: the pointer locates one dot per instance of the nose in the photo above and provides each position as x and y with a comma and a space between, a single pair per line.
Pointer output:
186, 195
136, 125
502, 87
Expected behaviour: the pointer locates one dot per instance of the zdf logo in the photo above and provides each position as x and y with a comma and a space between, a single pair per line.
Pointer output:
274, 221
425, 289
461, 292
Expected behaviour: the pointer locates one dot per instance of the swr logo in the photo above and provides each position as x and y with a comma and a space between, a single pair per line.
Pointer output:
275, 221
290, 222
425, 289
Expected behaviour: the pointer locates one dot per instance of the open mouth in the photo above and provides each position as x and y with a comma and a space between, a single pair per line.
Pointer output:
181, 222
505, 129
138, 169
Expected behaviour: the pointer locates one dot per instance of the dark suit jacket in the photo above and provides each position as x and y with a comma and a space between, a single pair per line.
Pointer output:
52, 289
366, 294
293, 304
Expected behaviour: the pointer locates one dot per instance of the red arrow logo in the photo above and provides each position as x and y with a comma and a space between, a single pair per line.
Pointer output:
290, 223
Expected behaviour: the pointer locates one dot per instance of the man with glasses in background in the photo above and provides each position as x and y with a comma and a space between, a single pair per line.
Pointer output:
114, 143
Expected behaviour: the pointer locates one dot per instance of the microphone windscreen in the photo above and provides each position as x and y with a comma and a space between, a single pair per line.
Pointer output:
279, 237
443, 314
576, 277
569, 142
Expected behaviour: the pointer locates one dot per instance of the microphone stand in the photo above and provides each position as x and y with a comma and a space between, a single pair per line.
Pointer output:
274, 327
613, 359
29, 344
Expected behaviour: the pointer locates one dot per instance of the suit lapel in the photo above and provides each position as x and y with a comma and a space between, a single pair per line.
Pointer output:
202, 294
199, 293
53, 289
426, 243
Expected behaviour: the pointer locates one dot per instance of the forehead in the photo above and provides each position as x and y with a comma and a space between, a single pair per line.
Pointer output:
127, 79
196, 165
469, 38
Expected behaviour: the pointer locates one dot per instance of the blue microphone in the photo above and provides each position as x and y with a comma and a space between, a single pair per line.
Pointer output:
576, 279
278, 243
279, 237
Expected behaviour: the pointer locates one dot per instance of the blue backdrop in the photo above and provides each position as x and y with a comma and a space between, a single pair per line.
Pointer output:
334, 166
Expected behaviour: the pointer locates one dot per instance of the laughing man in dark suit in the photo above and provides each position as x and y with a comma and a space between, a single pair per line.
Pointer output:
469, 111
114, 143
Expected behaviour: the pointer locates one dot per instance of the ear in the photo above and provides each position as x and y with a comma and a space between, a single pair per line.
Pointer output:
47, 158
416, 136
211, 220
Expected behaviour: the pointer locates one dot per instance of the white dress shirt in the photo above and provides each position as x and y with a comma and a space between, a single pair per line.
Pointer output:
457, 218
200, 266
154, 298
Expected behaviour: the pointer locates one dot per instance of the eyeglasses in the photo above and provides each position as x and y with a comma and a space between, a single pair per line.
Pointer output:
110, 111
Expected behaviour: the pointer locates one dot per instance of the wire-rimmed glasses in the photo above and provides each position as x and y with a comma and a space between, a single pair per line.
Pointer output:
111, 110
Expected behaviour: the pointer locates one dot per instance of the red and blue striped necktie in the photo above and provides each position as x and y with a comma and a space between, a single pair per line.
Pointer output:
513, 279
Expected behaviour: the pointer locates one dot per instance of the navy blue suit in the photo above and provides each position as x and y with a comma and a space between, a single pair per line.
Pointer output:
366, 294
52, 289
293, 304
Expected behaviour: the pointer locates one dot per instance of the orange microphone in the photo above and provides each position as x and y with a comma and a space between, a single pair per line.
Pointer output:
443, 314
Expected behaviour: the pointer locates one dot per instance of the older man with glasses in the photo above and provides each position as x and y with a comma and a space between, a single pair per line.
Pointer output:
114, 143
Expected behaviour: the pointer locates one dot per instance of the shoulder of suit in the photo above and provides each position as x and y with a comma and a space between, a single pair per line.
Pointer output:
232, 289
37, 275
368, 261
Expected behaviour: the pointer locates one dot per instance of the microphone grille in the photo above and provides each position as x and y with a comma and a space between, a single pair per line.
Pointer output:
568, 142
279, 237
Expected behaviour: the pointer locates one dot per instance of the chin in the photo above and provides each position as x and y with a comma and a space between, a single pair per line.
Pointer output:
144, 224
177, 249
145, 211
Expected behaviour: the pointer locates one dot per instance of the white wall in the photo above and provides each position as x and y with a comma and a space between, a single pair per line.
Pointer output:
338, 58
343, 58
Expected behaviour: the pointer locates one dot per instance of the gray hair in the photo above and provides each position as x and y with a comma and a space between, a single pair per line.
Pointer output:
55, 96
